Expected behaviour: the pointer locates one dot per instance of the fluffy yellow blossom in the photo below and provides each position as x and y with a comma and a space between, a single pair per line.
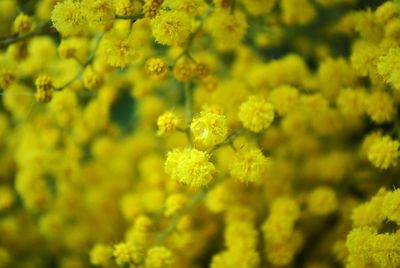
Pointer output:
322, 201
152, 7
23, 23
184, 70
91, 79
351, 101
118, 49
249, 165
171, 27
384, 152
284, 98
388, 67
370, 213
390, 206
189, 166
380, 107
167, 123
44, 87
100, 13
159, 257
256, 113
157, 67
209, 128
125, 253
227, 29
101, 254
68, 18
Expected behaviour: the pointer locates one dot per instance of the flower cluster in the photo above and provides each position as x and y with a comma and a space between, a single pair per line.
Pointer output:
199, 133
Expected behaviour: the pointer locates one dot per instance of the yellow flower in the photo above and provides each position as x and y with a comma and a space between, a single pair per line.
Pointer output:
23, 23
189, 166
167, 123
249, 165
384, 152
322, 201
118, 49
171, 27
209, 128
101, 254
68, 18
256, 113
159, 257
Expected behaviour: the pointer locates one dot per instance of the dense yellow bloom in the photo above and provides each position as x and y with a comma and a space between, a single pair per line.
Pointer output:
284, 98
209, 128
151, 7
249, 165
167, 123
388, 67
159, 257
68, 18
380, 107
23, 23
390, 206
384, 152
256, 114
100, 254
370, 213
322, 201
100, 14
157, 67
189, 166
118, 49
227, 29
171, 27
44, 87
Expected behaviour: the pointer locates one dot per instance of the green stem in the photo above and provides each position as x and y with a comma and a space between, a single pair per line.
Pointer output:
39, 29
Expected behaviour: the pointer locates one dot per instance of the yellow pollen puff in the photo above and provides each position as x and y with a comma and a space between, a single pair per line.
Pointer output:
151, 8
171, 27
125, 253
167, 123
384, 152
380, 107
23, 23
159, 257
209, 128
44, 87
227, 29
100, 13
101, 255
189, 166
256, 113
157, 67
388, 67
184, 70
322, 201
284, 99
118, 49
68, 18
390, 206
249, 165
91, 79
